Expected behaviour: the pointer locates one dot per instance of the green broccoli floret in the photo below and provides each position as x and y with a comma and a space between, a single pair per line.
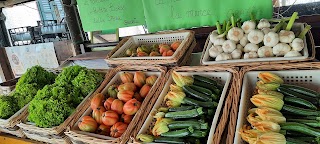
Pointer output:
38, 75
68, 74
87, 81
8, 106
25, 94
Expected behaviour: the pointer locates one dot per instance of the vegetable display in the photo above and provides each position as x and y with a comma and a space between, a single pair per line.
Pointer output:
111, 114
252, 39
53, 104
27, 86
287, 113
188, 112
153, 50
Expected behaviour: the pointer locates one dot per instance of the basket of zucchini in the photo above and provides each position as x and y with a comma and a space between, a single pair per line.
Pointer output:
286, 109
187, 109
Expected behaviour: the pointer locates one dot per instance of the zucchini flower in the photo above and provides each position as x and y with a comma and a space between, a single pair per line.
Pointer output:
145, 138
267, 86
271, 138
181, 80
253, 119
267, 126
175, 96
249, 135
171, 103
163, 109
252, 111
161, 126
269, 114
175, 88
268, 77
159, 116
269, 101
273, 93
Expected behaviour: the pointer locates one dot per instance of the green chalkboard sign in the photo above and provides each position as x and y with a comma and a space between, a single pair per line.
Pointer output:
177, 14
110, 14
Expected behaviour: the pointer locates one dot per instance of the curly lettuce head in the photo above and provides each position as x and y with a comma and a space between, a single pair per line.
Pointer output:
53, 104
38, 75
49, 113
87, 81
8, 106
25, 94
68, 74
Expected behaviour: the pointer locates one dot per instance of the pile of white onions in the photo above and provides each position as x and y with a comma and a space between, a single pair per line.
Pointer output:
250, 40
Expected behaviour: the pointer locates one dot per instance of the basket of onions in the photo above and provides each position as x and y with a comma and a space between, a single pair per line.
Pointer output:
252, 42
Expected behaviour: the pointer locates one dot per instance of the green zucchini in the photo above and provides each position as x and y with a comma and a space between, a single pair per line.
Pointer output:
170, 140
213, 88
291, 133
298, 127
302, 90
193, 102
199, 134
185, 114
185, 124
300, 101
300, 111
294, 141
205, 91
196, 94
178, 133
181, 108
201, 90
205, 79
294, 116
312, 123
310, 140
291, 93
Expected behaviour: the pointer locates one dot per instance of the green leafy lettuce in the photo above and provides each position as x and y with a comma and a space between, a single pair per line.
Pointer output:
25, 94
55, 103
87, 80
8, 106
27, 86
36, 75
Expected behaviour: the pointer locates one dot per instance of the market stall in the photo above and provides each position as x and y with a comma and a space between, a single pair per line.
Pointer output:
257, 80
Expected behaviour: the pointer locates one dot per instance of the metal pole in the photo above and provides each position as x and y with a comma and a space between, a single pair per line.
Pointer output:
73, 23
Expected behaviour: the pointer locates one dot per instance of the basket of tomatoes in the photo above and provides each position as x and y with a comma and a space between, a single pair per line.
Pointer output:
167, 49
118, 108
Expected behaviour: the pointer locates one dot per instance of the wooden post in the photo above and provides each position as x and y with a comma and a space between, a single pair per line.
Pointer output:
74, 24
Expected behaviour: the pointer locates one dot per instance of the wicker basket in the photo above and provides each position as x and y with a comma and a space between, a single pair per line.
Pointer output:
56, 134
8, 86
308, 54
77, 135
116, 56
222, 74
16, 131
295, 77
9, 125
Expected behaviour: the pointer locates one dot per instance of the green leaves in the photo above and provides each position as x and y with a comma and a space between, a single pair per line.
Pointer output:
55, 103
26, 88
8, 106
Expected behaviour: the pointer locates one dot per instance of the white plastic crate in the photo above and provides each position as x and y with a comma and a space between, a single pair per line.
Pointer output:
297, 28
115, 80
221, 77
306, 78
149, 40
